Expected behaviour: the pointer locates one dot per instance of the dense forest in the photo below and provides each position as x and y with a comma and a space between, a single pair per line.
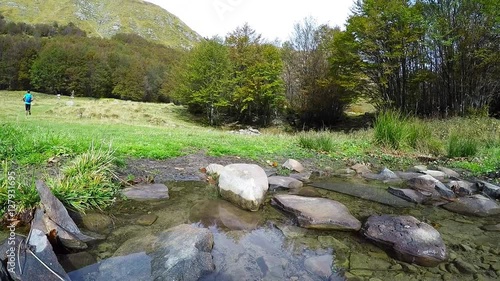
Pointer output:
435, 58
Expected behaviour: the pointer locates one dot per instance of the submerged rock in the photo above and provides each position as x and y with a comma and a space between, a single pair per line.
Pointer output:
223, 214
407, 239
367, 192
320, 265
182, 253
318, 213
146, 192
97, 222
475, 205
134, 267
244, 185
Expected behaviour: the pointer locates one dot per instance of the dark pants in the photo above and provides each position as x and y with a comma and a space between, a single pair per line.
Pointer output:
28, 106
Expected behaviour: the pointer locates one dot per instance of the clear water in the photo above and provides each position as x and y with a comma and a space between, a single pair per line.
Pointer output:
266, 245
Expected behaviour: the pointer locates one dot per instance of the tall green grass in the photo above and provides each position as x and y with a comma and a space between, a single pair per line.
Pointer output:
86, 182
393, 129
390, 129
460, 145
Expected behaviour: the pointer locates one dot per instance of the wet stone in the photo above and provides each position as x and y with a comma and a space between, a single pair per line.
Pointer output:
97, 222
464, 267
406, 238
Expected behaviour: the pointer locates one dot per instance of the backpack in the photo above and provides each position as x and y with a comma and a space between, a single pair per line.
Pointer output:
27, 98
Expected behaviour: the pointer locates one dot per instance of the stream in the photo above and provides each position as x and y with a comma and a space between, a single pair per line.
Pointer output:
267, 245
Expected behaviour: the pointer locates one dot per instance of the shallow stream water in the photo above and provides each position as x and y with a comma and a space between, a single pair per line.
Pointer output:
267, 245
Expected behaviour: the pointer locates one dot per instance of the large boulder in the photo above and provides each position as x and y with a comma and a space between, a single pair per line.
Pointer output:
182, 253
146, 192
317, 213
475, 205
407, 239
244, 185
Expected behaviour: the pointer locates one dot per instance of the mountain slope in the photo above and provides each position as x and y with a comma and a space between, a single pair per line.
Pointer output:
105, 18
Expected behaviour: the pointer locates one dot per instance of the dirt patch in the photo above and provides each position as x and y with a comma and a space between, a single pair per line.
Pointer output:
187, 168
184, 168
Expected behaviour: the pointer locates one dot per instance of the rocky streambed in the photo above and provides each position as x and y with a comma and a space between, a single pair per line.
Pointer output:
347, 227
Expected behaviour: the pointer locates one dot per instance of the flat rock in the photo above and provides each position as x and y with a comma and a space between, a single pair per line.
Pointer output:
410, 195
317, 213
406, 238
276, 182
146, 192
436, 174
475, 205
364, 191
449, 172
407, 175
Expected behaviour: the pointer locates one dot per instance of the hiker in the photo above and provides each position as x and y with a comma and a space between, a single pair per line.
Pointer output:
28, 98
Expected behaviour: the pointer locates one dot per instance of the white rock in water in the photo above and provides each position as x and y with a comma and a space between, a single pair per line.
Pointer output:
244, 185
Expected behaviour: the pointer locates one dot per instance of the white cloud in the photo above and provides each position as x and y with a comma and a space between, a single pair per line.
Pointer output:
271, 18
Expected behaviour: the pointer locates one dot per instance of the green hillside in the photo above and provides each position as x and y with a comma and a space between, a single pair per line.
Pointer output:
105, 18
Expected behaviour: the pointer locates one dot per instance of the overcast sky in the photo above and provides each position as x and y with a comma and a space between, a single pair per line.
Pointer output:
271, 18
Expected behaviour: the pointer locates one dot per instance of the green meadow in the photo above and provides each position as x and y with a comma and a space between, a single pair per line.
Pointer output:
94, 136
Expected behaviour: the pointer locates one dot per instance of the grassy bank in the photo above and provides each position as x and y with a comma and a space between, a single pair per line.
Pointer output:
62, 130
